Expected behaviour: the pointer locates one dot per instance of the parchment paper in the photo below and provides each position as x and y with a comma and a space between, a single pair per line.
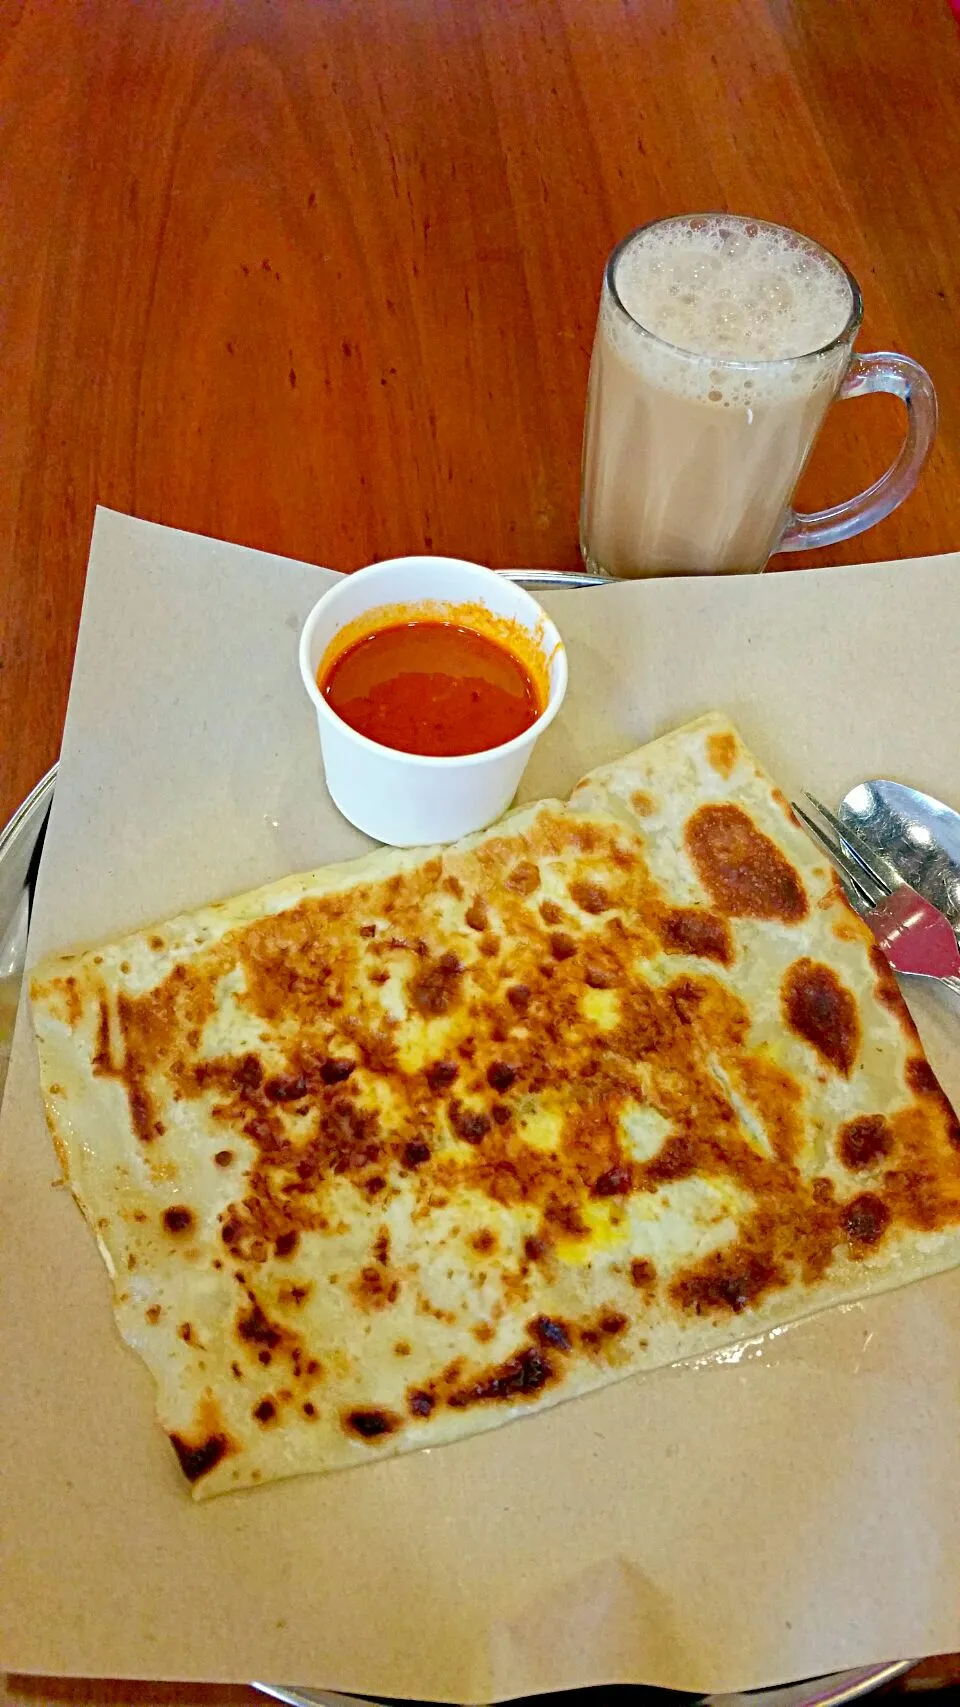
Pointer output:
787, 1509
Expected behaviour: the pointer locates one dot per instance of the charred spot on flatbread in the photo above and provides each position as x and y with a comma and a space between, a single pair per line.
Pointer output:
865, 1220
371, 1423
519, 1377
198, 1458
920, 1077
590, 897
420, 1403
433, 989
818, 1007
741, 867
697, 931
178, 1220
524, 877
727, 1283
864, 1141
550, 1332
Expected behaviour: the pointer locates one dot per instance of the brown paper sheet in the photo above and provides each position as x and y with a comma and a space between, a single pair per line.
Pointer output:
784, 1510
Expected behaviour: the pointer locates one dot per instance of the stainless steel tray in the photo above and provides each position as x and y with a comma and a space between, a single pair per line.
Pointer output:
545, 578
20, 843
830, 1691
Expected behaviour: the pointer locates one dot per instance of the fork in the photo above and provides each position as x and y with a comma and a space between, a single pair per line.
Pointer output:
915, 936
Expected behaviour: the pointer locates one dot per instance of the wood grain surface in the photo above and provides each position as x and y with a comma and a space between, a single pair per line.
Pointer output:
96, 1692
321, 276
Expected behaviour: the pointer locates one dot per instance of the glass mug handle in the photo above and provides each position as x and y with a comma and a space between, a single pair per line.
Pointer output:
906, 379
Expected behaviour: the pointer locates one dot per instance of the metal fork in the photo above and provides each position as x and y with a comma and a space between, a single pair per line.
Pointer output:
914, 935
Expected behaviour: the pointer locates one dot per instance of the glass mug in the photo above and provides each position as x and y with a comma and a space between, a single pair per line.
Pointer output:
721, 343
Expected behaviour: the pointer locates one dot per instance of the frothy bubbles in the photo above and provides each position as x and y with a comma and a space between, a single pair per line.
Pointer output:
736, 291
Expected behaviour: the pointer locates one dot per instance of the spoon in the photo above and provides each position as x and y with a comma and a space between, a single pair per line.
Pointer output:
915, 838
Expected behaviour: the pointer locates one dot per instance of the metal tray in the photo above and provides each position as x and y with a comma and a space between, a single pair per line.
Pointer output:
830, 1691
20, 845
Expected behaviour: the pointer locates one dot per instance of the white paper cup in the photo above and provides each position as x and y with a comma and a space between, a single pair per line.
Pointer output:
404, 798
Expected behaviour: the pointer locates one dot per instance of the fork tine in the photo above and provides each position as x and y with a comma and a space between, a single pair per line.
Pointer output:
855, 844
838, 857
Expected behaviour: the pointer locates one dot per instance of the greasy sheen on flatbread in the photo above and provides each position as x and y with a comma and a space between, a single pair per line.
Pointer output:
387, 1154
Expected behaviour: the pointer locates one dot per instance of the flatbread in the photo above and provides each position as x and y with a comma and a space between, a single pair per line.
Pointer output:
387, 1154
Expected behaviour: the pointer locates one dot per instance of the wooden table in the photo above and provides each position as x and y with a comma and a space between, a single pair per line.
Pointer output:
321, 276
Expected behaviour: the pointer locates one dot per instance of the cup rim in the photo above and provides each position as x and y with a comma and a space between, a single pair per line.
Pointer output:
847, 333
432, 761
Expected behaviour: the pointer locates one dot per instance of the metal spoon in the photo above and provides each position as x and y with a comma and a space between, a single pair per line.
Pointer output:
915, 838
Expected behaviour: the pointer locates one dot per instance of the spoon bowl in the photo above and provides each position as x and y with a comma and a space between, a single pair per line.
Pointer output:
915, 837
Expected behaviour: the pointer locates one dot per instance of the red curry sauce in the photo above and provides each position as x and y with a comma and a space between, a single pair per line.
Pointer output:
433, 688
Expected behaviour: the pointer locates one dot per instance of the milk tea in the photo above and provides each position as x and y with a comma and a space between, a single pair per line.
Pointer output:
709, 380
